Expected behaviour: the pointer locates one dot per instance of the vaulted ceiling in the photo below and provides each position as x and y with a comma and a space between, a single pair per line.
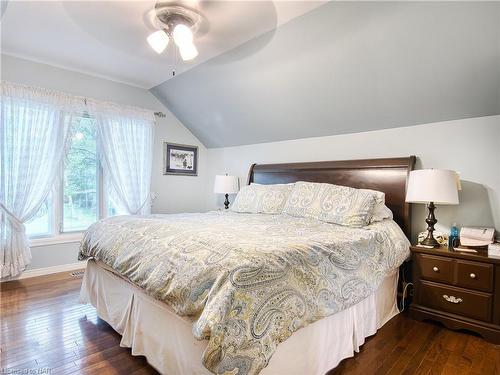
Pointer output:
108, 38
279, 70
346, 67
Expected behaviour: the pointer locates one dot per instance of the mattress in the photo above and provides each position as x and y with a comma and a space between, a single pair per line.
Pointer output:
151, 328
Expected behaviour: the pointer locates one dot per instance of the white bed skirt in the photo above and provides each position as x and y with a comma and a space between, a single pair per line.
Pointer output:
152, 329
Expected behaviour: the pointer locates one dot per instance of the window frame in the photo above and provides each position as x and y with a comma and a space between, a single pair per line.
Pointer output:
57, 235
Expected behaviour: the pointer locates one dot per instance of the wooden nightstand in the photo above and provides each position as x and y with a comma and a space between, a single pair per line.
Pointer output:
460, 290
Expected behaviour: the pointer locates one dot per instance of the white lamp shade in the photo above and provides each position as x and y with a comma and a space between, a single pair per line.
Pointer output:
188, 51
158, 41
432, 185
182, 35
226, 184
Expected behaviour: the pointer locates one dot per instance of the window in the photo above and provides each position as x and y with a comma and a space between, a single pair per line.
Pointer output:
77, 200
40, 225
81, 178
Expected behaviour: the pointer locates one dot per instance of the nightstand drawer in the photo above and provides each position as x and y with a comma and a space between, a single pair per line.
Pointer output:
436, 268
475, 275
475, 305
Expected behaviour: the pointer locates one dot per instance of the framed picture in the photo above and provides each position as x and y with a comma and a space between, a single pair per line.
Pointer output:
180, 159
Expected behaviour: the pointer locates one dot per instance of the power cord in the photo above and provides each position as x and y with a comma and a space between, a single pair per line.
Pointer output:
405, 288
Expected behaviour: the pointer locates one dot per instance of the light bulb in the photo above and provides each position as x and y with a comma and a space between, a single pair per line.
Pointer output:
182, 35
188, 51
158, 41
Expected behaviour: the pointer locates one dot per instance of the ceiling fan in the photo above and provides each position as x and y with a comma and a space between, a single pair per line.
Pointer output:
177, 22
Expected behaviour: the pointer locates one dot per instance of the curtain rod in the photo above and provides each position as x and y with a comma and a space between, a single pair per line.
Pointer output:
158, 114
77, 97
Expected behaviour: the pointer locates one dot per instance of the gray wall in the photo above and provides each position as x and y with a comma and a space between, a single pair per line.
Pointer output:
175, 193
342, 68
346, 67
470, 146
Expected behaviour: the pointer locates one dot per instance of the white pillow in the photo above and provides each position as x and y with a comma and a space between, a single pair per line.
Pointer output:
333, 203
266, 199
381, 212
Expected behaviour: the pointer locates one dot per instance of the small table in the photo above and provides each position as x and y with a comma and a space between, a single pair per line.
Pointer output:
460, 290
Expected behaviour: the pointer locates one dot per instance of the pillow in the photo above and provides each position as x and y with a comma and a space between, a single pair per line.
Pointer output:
266, 199
381, 212
333, 203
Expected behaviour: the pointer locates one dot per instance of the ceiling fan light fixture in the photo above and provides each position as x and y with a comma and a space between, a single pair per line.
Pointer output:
188, 51
158, 41
182, 35
178, 22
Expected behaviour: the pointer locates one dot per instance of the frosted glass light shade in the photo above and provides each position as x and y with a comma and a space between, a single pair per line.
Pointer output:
188, 52
158, 41
432, 185
182, 35
226, 184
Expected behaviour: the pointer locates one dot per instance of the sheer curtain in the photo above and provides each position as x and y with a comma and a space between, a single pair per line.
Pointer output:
125, 138
34, 131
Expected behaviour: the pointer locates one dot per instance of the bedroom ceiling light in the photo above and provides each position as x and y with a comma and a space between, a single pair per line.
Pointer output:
183, 37
158, 41
188, 51
179, 23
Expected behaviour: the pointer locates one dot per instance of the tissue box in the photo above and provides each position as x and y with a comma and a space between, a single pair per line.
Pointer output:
494, 249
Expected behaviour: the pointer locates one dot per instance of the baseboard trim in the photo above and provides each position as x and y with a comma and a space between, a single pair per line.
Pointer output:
47, 271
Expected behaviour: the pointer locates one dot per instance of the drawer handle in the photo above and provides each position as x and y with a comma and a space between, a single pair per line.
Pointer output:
472, 275
452, 299
435, 269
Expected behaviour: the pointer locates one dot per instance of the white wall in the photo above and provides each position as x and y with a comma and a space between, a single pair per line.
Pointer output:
470, 146
175, 193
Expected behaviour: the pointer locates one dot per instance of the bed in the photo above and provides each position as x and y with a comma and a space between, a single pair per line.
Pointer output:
224, 292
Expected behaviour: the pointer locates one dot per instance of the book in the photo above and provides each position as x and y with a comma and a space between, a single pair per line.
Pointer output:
476, 237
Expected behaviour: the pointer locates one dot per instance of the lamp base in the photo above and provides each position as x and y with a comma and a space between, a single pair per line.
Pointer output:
430, 242
431, 221
226, 202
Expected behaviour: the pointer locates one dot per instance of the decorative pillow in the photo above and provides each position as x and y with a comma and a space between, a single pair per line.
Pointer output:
333, 203
381, 212
266, 199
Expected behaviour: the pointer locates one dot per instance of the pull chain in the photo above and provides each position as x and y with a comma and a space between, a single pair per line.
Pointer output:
175, 61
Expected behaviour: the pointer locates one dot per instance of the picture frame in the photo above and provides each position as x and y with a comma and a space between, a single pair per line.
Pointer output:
180, 160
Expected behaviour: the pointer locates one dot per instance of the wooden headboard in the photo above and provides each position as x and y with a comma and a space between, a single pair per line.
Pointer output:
386, 175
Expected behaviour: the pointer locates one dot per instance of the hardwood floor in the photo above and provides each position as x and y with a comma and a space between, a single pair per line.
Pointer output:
44, 330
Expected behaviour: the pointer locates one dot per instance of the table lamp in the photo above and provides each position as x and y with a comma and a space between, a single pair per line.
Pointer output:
226, 185
432, 186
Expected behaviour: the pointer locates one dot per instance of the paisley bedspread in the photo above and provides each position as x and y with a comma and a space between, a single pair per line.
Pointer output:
247, 281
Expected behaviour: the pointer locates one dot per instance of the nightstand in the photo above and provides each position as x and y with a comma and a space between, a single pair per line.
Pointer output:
460, 290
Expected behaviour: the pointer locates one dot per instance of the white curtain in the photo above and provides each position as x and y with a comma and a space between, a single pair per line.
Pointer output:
125, 137
34, 131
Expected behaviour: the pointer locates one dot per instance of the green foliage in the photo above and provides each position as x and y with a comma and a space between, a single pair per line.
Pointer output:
80, 172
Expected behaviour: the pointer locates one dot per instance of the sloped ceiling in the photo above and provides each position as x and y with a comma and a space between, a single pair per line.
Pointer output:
108, 38
346, 67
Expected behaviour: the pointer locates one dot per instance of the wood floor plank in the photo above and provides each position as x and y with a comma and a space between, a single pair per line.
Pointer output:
424, 368
392, 357
437, 354
415, 355
43, 326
